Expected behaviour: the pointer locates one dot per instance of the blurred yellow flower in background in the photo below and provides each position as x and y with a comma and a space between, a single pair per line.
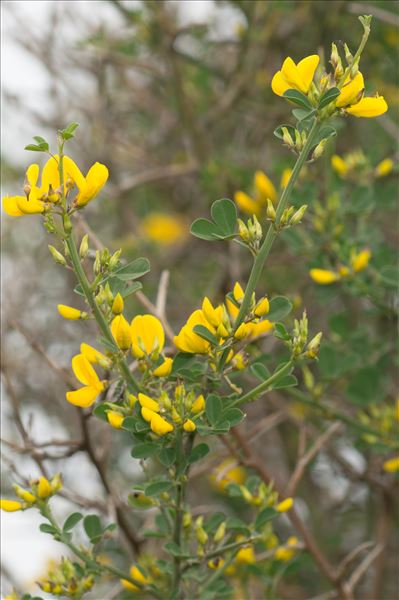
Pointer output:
164, 229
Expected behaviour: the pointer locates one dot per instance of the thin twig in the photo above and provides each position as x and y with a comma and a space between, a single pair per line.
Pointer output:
310, 455
363, 567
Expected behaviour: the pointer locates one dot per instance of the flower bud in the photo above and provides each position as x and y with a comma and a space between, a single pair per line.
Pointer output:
243, 230
84, 246
285, 505
57, 256
348, 54
189, 426
24, 494
314, 346
70, 313
298, 141
114, 260
220, 532
262, 307
297, 216
118, 304
97, 263
287, 139
270, 212
198, 405
318, 151
120, 330
202, 536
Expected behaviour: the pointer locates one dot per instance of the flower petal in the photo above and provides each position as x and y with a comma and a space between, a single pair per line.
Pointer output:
368, 107
10, 206
147, 329
264, 186
306, 69
83, 397
292, 76
279, 84
247, 204
351, 91
85, 372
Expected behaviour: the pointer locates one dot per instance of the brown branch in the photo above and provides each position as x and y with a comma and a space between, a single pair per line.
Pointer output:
310, 455
363, 567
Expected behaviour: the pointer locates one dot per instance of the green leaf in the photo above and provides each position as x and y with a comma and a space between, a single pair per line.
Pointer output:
46, 528
237, 524
224, 213
207, 335
214, 521
329, 96
280, 307
364, 386
297, 98
72, 521
280, 332
154, 489
167, 456
133, 270
233, 416
302, 114
260, 371
92, 527
175, 550
69, 131
284, 382
33, 148
182, 360
390, 276
198, 452
213, 408
204, 229
144, 450
267, 514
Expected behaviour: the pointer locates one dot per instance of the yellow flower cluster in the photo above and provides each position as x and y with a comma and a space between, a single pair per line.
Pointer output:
355, 164
41, 489
220, 322
287, 551
41, 198
301, 77
263, 189
359, 262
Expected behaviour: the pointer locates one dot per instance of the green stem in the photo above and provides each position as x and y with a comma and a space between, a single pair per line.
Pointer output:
273, 229
359, 51
102, 323
264, 386
178, 516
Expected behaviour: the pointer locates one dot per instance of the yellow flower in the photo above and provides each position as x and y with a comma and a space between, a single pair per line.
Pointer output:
147, 335
285, 553
351, 91
360, 261
368, 107
263, 189
238, 292
339, 165
37, 199
285, 505
147, 402
68, 312
260, 328
115, 419
138, 576
297, 77
384, 167
246, 556
323, 276
147, 414
198, 405
159, 425
189, 426
94, 356
216, 563
285, 177
10, 505
391, 465
120, 329
24, 494
164, 368
187, 340
85, 396
164, 229
44, 489
90, 185
262, 308
228, 472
